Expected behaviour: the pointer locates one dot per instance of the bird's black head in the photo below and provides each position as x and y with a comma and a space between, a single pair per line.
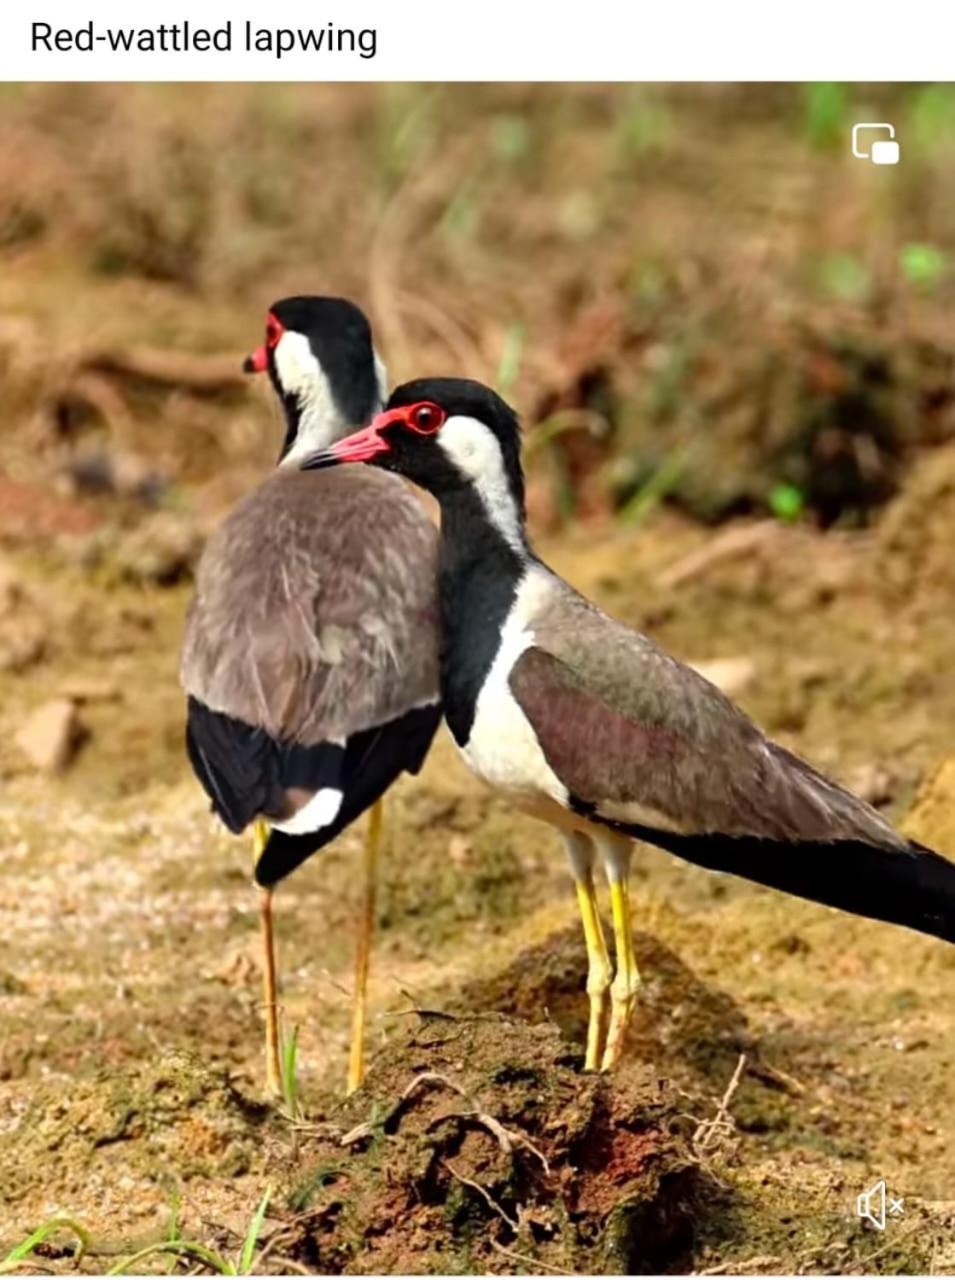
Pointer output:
320, 357
444, 434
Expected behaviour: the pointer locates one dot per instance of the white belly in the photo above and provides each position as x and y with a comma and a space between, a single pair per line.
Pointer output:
503, 749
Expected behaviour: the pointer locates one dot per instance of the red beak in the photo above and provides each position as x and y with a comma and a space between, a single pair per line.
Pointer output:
257, 362
362, 445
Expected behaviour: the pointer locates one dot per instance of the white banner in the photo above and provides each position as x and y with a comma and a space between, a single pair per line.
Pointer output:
661, 40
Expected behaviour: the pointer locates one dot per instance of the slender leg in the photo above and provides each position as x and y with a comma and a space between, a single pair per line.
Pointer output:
273, 1068
580, 851
356, 1057
626, 983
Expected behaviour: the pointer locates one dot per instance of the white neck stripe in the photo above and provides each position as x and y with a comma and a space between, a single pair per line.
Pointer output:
473, 449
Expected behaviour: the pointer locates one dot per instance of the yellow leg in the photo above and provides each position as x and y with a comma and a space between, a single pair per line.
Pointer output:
273, 1067
626, 983
581, 853
356, 1057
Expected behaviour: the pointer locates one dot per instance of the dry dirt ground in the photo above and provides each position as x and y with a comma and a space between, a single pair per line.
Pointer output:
130, 1030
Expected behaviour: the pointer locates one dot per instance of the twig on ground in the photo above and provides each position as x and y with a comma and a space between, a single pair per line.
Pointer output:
485, 1195
422, 1013
734, 544
201, 373
722, 1124
741, 1266
317, 1128
287, 1264
524, 1257
778, 1076
507, 1139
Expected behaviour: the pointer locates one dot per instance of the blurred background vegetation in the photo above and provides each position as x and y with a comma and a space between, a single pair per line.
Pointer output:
694, 294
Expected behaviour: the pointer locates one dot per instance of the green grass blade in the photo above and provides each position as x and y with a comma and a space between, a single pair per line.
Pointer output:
185, 1248
290, 1074
42, 1232
252, 1238
559, 424
509, 367
174, 1235
650, 494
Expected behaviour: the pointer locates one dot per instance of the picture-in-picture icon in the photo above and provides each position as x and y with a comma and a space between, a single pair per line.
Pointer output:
882, 150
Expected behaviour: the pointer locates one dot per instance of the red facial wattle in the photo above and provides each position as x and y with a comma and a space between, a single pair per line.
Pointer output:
423, 419
258, 361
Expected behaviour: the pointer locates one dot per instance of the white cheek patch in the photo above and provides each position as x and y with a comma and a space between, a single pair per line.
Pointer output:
301, 376
474, 450
296, 365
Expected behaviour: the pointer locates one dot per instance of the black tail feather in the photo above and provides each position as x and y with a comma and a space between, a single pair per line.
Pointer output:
372, 762
911, 886
246, 772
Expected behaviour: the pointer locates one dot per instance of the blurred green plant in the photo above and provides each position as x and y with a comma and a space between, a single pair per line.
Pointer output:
658, 485
302, 1195
407, 129
787, 502
668, 375
560, 422
196, 1252
512, 355
845, 277
542, 440
11, 1263
644, 124
290, 1074
824, 114
931, 116
462, 215
510, 137
923, 265
648, 284
173, 1234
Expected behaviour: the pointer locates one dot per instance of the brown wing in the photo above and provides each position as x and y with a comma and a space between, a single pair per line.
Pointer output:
315, 614
631, 731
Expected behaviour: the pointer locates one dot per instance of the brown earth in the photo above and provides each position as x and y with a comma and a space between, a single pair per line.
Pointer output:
130, 1051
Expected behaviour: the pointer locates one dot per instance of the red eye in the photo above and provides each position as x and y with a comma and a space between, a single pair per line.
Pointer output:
425, 419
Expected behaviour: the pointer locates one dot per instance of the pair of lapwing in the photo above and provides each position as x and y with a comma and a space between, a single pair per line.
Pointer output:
333, 626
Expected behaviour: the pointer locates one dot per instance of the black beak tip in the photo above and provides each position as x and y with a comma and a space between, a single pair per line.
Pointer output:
320, 462
248, 365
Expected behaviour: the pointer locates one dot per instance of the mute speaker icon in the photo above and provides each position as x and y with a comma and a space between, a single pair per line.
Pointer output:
871, 1204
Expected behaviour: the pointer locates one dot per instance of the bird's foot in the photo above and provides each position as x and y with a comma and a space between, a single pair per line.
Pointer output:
623, 1000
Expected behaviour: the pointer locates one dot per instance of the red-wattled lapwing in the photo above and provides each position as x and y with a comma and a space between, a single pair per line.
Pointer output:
310, 657
587, 724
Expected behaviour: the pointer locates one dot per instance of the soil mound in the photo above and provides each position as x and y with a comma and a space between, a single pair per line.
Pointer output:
477, 1143
696, 1029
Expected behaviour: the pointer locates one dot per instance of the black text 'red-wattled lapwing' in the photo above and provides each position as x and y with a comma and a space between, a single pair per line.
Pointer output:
587, 724
311, 650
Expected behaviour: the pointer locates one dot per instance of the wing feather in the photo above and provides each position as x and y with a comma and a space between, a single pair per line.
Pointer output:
639, 737
316, 614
